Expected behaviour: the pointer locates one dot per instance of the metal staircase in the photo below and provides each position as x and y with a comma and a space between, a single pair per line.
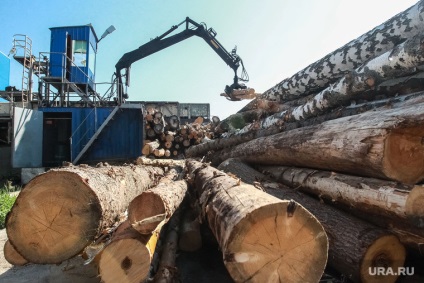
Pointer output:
81, 93
96, 134
23, 44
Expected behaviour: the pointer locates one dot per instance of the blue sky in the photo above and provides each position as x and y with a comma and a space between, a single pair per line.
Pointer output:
275, 39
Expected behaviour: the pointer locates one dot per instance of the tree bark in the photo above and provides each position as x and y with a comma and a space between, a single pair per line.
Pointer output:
400, 202
348, 57
262, 239
61, 211
355, 246
12, 256
127, 257
383, 144
257, 130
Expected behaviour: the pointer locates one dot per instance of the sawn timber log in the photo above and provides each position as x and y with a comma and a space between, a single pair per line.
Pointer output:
262, 239
62, 211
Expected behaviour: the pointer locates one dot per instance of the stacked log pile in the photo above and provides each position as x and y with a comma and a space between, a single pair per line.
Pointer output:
347, 130
166, 138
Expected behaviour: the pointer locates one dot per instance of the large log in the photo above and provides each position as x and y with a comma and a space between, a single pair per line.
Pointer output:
127, 258
356, 247
348, 57
383, 144
262, 239
400, 202
155, 206
266, 127
62, 211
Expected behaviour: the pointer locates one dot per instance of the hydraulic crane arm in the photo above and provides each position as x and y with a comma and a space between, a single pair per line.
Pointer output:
161, 42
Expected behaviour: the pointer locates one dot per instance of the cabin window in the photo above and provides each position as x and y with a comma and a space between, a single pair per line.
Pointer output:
79, 48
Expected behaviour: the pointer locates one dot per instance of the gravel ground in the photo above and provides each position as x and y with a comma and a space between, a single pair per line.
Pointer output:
70, 271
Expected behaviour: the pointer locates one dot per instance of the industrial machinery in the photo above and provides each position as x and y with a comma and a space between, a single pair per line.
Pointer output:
162, 42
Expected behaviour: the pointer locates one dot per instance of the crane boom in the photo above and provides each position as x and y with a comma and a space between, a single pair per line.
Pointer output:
161, 42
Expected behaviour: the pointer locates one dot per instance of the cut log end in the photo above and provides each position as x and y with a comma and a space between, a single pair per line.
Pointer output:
281, 242
414, 207
146, 206
386, 252
404, 152
12, 256
124, 261
57, 215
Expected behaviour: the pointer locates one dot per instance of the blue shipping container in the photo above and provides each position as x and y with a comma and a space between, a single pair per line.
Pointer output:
122, 139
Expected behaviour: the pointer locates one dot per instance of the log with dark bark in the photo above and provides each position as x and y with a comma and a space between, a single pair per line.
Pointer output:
62, 211
262, 239
173, 122
215, 120
127, 258
400, 202
257, 130
354, 245
348, 57
383, 144
12, 256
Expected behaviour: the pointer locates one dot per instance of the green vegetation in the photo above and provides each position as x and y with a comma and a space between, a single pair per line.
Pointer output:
6, 201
